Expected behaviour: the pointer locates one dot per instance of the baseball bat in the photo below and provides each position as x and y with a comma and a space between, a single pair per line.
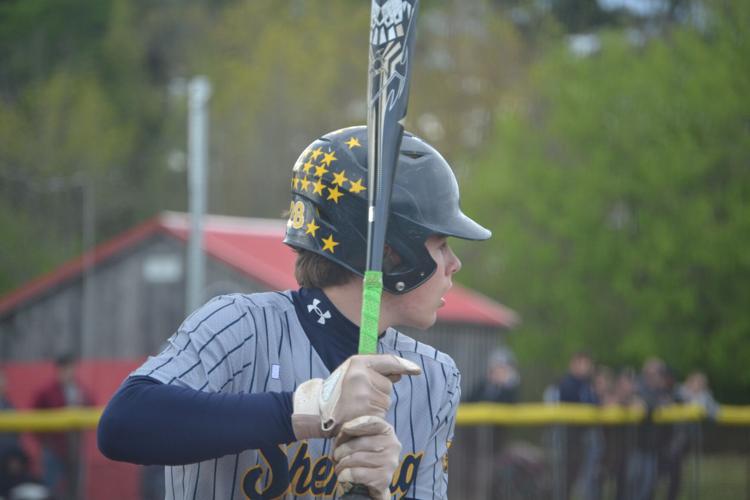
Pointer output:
392, 33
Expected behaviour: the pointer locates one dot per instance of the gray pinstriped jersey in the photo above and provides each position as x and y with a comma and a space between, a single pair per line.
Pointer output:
255, 343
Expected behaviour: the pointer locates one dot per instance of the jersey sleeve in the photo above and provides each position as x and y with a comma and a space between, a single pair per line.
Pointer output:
432, 476
210, 350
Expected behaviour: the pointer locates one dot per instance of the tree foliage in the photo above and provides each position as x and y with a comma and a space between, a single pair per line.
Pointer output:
618, 190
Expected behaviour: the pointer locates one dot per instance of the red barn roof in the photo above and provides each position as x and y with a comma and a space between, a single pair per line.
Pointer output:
254, 248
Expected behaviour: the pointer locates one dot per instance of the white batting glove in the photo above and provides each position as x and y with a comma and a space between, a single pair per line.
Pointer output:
367, 452
361, 386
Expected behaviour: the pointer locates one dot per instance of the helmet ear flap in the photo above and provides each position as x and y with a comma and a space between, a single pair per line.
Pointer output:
415, 264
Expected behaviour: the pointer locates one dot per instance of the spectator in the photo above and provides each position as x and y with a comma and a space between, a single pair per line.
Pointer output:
7, 439
584, 444
9, 445
16, 480
576, 386
61, 451
500, 385
675, 441
618, 439
604, 386
645, 461
695, 390
502, 380
626, 390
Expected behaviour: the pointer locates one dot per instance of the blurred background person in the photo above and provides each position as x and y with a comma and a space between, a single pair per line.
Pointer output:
61, 450
16, 479
643, 461
675, 440
502, 381
604, 386
499, 385
695, 390
584, 444
619, 439
8, 440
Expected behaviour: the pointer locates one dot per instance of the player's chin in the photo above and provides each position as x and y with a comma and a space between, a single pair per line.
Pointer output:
425, 321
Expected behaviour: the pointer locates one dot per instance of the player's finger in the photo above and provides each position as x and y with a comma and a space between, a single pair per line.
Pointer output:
390, 365
365, 433
382, 384
360, 460
349, 447
376, 403
357, 475
365, 426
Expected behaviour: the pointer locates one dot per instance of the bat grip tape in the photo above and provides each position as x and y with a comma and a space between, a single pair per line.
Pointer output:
368, 331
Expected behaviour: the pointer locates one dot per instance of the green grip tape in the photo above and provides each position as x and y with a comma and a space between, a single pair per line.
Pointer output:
368, 327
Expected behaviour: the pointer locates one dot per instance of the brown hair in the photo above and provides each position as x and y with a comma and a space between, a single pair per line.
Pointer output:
312, 270
315, 271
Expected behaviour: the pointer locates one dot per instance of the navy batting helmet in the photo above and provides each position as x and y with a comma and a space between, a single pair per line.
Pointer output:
328, 213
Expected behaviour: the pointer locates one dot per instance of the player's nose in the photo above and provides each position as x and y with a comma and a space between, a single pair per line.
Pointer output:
454, 263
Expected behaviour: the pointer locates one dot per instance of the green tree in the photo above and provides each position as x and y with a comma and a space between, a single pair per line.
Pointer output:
618, 191
78, 111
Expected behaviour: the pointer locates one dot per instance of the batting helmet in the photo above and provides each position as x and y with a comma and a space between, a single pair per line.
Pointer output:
328, 213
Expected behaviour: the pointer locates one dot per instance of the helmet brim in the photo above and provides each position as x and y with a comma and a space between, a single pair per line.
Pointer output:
464, 227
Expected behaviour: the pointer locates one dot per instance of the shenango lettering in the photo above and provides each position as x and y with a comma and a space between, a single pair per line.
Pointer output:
305, 476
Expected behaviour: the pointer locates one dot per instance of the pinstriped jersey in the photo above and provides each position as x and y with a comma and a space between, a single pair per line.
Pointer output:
255, 343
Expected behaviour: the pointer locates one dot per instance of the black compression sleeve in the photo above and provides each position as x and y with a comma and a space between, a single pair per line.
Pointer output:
148, 422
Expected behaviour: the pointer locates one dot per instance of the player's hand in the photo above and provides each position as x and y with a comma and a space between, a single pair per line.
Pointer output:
361, 386
367, 452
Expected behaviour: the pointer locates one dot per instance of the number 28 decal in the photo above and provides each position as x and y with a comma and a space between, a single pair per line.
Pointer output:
297, 214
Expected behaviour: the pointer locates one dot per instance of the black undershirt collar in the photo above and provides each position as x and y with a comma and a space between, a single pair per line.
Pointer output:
332, 335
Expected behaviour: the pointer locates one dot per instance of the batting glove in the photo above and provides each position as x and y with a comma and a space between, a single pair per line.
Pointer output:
361, 386
367, 452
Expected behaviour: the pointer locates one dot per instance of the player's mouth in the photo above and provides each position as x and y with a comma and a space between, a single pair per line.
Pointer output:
442, 299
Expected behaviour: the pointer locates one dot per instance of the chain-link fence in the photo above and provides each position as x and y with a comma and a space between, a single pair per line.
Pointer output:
562, 452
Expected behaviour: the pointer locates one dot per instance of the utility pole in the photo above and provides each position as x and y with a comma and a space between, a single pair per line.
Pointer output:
199, 92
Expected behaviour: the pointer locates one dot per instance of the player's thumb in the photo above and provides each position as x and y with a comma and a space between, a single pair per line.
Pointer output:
392, 366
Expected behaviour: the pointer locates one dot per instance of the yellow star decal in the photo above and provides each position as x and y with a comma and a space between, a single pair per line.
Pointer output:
353, 142
304, 183
318, 187
295, 182
312, 227
329, 244
314, 155
356, 186
340, 178
307, 166
328, 158
334, 194
320, 170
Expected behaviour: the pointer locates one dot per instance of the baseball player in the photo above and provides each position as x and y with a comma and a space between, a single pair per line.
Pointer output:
263, 395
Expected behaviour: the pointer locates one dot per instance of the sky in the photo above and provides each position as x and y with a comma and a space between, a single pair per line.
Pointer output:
642, 7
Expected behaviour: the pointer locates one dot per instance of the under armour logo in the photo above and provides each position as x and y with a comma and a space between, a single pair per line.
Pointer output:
322, 316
